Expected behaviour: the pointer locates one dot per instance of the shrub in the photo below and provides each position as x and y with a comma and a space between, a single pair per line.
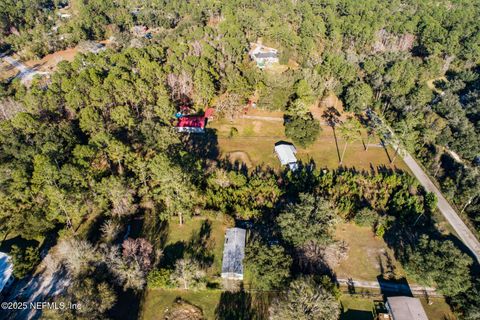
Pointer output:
233, 132
159, 278
380, 230
366, 217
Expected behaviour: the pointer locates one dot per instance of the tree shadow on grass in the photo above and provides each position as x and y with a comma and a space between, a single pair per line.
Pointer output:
172, 253
127, 306
200, 246
356, 315
204, 145
155, 229
235, 305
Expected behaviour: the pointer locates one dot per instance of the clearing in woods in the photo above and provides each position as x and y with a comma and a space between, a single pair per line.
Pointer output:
259, 130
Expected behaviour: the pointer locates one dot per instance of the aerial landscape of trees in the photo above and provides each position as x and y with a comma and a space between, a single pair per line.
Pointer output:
91, 150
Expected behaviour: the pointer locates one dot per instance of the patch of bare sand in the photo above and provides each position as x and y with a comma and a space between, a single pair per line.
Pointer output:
50, 61
329, 100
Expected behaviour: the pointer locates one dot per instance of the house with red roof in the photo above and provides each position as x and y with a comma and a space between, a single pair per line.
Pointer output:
194, 123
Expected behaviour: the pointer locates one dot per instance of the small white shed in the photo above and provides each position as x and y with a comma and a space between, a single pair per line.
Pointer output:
286, 154
233, 254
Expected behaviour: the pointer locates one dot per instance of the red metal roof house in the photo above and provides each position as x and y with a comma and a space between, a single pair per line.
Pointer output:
194, 123
191, 124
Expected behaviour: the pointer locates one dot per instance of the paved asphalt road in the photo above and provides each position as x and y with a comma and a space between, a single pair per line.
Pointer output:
445, 208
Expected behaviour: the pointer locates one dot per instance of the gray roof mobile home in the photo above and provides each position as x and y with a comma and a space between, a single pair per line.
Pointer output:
406, 308
233, 254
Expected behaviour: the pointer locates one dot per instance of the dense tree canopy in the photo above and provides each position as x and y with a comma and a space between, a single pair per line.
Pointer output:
310, 220
95, 140
305, 299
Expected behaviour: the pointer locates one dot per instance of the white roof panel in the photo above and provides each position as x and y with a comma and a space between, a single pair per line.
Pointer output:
286, 153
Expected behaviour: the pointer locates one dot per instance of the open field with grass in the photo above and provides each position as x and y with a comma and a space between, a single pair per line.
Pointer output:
368, 255
354, 308
215, 304
158, 301
197, 232
256, 137
438, 309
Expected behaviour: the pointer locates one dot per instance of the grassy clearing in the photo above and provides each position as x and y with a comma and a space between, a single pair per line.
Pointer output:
158, 301
215, 304
354, 308
438, 309
181, 236
256, 139
368, 255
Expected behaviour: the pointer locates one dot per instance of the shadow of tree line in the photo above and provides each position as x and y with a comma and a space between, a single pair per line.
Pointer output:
199, 247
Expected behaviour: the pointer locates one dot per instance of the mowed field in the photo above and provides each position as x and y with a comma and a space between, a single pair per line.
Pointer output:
368, 256
181, 236
258, 134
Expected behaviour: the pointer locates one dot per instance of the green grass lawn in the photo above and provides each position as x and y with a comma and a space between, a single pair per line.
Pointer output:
179, 237
215, 304
438, 309
157, 301
367, 254
354, 308
256, 140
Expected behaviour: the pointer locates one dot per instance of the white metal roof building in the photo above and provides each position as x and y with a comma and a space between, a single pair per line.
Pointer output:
233, 254
263, 55
406, 308
6, 270
286, 154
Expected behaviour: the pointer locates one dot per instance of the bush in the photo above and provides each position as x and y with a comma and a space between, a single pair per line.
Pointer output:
366, 217
159, 278
233, 132
380, 230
